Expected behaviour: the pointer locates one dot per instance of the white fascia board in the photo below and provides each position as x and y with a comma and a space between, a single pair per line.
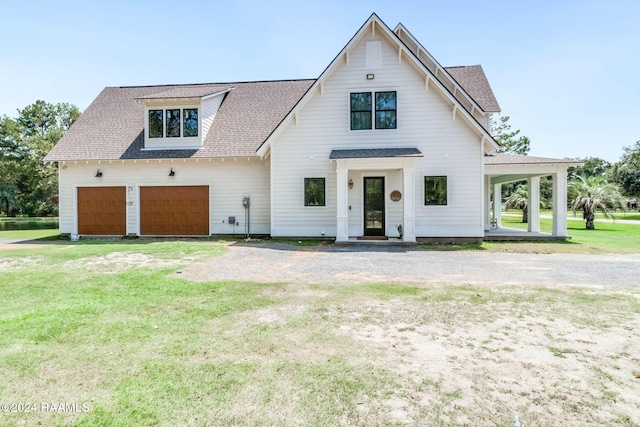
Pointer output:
438, 65
316, 85
213, 95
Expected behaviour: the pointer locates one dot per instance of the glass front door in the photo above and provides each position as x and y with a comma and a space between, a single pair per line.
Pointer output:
374, 206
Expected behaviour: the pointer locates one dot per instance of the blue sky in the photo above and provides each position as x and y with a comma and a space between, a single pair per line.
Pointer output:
565, 71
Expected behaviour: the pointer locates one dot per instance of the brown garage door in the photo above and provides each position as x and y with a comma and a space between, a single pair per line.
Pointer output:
102, 210
174, 211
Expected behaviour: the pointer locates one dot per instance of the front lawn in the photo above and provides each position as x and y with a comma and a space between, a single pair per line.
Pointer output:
608, 237
114, 334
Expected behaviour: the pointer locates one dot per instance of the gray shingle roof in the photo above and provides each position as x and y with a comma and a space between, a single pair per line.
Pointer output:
189, 91
112, 127
375, 152
519, 159
475, 83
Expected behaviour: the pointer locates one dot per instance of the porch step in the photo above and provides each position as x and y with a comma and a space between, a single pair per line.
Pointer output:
373, 238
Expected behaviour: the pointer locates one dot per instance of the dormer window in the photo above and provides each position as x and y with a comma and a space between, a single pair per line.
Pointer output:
179, 122
173, 127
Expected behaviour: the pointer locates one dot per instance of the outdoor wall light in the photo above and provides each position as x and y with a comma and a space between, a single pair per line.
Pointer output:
350, 184
172, 172
98, 174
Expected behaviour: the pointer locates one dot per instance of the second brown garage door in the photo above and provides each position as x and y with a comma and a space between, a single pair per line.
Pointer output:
174, 210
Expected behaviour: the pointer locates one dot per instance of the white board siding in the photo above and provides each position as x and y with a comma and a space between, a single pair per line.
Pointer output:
210, 108
228, 182
424, 120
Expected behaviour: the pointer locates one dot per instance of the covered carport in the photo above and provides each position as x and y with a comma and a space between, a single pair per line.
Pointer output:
502, 168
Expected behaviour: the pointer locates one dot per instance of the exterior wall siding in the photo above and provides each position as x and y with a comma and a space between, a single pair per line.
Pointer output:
424, 120
228, 180
210, 108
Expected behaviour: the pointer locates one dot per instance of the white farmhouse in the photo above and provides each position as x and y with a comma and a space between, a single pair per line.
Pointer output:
385, 144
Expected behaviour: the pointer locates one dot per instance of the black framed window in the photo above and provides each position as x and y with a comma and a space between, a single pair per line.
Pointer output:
156, 124
361, 111
173, 123
385, 110
190, 122
314, 192
435, 190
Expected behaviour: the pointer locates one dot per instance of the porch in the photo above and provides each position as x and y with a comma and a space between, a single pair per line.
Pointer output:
502, 168
502, 234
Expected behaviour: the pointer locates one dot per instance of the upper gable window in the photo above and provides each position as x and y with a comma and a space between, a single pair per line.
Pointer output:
173, 127
362, 110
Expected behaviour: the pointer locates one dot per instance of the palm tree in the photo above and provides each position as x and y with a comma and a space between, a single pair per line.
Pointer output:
519, 199
595, 193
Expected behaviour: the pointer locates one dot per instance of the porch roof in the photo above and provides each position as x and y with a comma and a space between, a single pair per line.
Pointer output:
369, 153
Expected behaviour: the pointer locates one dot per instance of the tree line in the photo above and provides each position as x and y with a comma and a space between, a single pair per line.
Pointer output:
28, 186
598, 185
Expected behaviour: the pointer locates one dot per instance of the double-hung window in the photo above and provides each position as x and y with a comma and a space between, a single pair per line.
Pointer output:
365, 106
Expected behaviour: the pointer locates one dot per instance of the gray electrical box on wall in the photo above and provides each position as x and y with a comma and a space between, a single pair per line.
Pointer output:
246, 201
232, 220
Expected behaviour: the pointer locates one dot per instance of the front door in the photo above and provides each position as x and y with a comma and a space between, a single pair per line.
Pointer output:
374, 206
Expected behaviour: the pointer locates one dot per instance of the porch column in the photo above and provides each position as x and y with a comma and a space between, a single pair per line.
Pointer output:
409, 205
342, 203
497, 204
534, 204
486, 202
560, 204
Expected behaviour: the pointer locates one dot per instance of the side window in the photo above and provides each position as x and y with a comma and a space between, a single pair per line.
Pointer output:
156, 124
385, 110
435, 190
314, 192
190, 122
361, 111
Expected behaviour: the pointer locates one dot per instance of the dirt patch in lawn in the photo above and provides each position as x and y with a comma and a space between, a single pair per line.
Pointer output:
7, 264
478, 355
116, 262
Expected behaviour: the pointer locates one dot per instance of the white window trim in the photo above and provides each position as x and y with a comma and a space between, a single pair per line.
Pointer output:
174, 143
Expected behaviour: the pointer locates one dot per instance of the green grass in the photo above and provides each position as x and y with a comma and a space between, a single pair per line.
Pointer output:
46, 234
111, 324
608, 237
618, 214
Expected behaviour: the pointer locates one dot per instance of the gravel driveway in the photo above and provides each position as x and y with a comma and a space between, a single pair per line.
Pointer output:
350, 264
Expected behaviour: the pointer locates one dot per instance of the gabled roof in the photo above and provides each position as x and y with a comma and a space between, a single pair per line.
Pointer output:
188, 91
112, 127
475, 83
377, 24
471, 80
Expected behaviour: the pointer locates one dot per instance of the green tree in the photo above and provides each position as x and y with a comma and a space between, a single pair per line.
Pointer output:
594, 193
509, 140
519, 199
627, 171
24, 141
593, 166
